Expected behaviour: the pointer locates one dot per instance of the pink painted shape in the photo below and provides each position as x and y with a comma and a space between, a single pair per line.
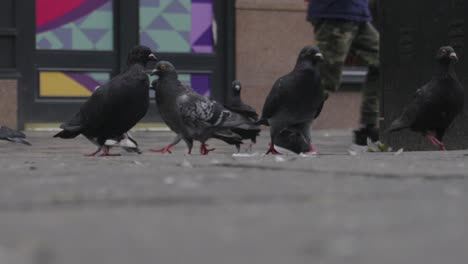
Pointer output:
48, 10
203, 49
202, 16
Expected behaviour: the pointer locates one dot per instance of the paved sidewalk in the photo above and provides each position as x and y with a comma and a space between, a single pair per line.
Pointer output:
57, 206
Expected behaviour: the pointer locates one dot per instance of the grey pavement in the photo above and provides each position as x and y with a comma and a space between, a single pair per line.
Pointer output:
57, 206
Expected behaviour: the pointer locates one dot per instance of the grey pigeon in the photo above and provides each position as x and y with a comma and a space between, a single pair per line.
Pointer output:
435, 105
295, 100
116, 106
236, 105
190, 115
12, 135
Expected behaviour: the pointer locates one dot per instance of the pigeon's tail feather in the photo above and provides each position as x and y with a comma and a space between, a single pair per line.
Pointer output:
72, 128
67, 134
238, 121
397, 125
247, 133
229, 137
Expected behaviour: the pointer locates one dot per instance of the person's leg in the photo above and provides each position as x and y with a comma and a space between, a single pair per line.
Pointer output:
366, 46
334, 38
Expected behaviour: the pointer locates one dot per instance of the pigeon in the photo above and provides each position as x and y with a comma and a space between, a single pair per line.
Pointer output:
192, 116
11, 135
436, 104
115, 107
235, 104
295, 100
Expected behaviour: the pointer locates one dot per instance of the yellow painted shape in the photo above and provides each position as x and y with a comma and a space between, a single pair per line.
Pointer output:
58, 84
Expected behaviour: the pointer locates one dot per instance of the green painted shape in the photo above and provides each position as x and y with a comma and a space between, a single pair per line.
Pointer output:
180, 22
79, 40
185, 77
187, 4
169, 41
99, 76
54, 41
106, 42
98, 20
147, 15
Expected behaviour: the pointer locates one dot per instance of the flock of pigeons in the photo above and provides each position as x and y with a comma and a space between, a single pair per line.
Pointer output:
295, 100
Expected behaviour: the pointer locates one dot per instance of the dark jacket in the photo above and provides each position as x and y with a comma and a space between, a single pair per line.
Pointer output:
356, 10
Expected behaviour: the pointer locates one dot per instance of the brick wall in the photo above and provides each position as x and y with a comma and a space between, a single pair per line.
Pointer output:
8, 103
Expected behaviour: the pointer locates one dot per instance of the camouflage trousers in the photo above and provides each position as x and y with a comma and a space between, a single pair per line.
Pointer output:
337, 38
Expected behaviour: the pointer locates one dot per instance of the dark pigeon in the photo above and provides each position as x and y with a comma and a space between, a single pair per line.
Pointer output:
295, 100
116, 106
11, 135
435, 105
236, 105
192, 116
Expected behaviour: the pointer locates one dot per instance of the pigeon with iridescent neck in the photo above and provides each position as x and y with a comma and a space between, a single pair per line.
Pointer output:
192, 116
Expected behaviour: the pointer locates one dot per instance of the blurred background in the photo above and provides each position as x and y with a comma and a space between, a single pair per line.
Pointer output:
54, 53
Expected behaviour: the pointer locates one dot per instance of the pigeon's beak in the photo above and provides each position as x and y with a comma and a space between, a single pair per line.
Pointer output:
319, 56
237, 87
152, 57
154, 72
453, 56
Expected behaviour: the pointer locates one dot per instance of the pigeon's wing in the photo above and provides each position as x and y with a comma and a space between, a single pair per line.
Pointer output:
245, 110
419, 107
319, 110
95, 109
91, 113
198, 111
275, 98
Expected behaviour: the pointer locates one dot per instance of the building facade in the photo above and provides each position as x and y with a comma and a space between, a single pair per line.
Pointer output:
54, 53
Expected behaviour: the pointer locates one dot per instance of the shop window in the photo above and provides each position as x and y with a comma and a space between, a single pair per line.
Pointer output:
74, 25
184, 26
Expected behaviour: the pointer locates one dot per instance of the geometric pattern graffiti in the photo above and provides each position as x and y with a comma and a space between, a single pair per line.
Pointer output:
199, 82
70, 83
177, 25
74, 25
83, 84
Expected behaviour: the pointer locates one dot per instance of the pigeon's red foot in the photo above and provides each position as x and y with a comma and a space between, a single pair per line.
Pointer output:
204, 150
105, 153
272, 150
166, 149
434, 141
312, 149
94, 153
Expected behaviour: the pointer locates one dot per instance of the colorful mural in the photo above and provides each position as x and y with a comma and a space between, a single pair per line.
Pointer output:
82, 84
177, 25
74, 25
70, 83
200, 82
